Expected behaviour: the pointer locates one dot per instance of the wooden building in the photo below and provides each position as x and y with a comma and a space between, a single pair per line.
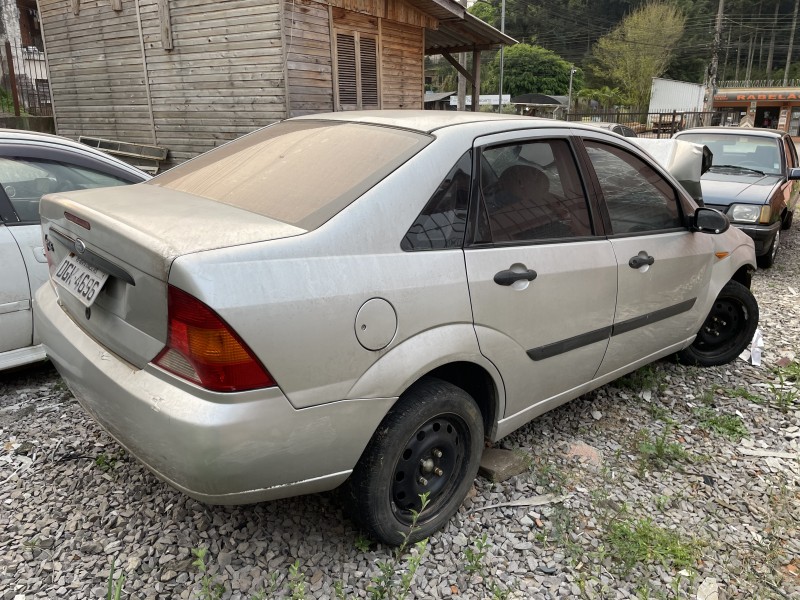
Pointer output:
189, 75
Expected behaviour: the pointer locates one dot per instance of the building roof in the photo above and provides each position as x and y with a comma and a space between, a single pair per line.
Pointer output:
459, 30
537, 100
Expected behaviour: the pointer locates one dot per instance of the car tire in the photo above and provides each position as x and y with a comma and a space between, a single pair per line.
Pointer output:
787, 220
431, 441
765, 261
727, 330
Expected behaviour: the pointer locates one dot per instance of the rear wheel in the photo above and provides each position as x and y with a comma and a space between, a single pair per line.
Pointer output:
430, 442
727, 330
768, 259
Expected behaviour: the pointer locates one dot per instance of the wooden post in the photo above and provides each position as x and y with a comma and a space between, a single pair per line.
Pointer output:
76, 7
476, 80
12, 78
116, 4
165, 26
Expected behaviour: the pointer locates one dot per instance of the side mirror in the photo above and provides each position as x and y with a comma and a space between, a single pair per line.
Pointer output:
709, 220
794, 174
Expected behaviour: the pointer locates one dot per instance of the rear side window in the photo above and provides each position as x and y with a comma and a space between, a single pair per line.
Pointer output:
637, 197
442, 222
297, 172
531, 192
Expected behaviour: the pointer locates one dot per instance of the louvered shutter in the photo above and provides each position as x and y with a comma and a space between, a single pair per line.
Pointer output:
368, 53
346, 70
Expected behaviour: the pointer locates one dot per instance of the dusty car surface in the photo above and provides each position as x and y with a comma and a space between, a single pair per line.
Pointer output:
753, 179
362, 298
33, 164
617, 128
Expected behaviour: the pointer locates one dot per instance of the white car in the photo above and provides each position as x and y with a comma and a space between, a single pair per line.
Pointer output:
33, 164
361, 298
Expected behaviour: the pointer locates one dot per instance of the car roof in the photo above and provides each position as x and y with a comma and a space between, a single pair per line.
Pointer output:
755, 131
427, 121
34, 138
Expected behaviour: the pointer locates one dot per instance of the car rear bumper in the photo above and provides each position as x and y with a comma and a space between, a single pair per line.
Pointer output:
762, 235
217, 448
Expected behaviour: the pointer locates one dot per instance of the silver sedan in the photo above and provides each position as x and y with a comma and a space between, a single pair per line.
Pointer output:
361, 299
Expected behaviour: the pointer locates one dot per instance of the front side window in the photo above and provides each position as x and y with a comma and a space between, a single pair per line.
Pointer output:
531, 191
25, 180
442, 222
637, 197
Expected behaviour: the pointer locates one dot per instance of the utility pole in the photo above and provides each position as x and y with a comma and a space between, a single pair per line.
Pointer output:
772, 40
502, 30
791, 43
711, 75
569, 98
462, 82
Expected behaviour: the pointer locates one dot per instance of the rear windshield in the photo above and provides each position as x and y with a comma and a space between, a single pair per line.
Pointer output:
298, 172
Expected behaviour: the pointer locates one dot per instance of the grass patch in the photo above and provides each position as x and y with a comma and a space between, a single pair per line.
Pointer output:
657, 452
730, 426
643, 542
649, 377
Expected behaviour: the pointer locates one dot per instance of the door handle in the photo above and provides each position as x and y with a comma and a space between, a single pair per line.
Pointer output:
641, 260
508, 277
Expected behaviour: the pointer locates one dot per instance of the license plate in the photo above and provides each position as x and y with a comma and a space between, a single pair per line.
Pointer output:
79, 278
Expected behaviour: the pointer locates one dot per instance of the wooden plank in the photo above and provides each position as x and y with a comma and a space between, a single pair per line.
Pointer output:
165, 24
116, 5
76, 7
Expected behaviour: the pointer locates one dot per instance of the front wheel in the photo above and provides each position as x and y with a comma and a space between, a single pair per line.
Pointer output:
768, 259
430, 442
727, 330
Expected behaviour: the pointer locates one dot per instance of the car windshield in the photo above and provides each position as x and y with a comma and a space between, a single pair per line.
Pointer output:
754, 153
297, 172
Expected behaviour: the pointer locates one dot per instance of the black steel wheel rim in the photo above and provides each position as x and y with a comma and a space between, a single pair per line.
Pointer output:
432, 462
723, 328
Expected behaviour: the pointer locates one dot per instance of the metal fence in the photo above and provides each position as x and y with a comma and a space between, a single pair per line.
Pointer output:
24, 86
658, 124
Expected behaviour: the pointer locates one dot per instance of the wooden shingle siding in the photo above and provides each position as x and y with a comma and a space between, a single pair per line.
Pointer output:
308, 53
401, 68
96, 70
222, 79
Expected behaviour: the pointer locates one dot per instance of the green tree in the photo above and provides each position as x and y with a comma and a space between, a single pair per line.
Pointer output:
638, 49
532, 69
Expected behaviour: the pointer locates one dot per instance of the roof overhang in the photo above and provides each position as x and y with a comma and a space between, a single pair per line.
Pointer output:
459, 30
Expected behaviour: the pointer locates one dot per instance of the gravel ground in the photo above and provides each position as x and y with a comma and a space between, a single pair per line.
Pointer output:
674, 482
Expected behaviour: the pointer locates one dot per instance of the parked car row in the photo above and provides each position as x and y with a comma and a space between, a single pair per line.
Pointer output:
360, 299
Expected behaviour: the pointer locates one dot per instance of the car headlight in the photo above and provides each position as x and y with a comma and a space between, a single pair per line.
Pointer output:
748, 213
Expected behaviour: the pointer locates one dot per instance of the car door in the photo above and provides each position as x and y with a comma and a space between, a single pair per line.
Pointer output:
16, 318
542, 278
663, 268
791, 188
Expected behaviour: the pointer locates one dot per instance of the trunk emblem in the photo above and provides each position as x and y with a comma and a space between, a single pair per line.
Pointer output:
80, 247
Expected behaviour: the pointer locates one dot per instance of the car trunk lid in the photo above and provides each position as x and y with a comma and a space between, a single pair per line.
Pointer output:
134, 234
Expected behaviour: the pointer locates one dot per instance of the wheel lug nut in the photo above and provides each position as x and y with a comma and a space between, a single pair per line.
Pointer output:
438, 472
437, 453
422, 481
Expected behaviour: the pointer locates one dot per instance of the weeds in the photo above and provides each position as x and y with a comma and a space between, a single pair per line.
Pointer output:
634, 542
297, 581
386, 584
657, 453
114, 589
730, 426
209, 590
784, 390
649, 377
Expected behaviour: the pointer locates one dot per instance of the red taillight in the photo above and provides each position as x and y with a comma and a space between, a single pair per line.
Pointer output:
202, 348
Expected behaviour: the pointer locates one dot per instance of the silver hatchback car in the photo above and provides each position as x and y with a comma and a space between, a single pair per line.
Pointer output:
363, 298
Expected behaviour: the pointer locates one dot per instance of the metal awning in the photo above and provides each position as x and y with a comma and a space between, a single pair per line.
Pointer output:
459, 31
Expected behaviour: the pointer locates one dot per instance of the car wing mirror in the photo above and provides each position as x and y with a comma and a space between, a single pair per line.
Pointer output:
709, 220
794, 174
